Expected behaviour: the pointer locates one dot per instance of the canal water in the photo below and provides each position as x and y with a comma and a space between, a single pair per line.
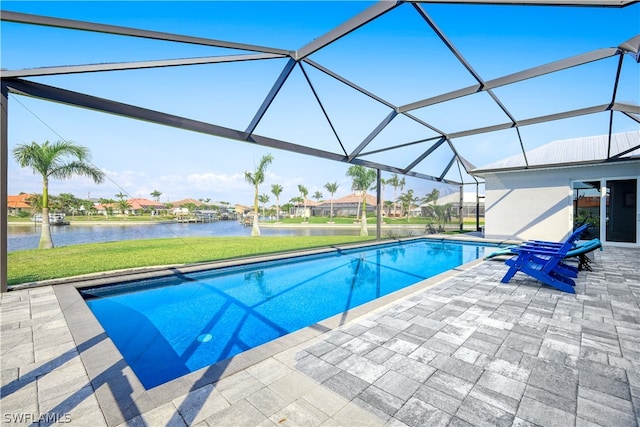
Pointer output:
27, 236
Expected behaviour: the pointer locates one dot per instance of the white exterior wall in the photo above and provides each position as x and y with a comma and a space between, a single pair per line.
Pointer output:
538, 204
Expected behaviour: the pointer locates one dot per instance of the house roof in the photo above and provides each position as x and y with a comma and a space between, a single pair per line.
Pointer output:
104, 206
350, 199
185, 201
310, 203
19, 201
140, 203
576, 151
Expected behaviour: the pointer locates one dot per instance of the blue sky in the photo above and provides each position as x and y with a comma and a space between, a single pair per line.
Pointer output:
396, 57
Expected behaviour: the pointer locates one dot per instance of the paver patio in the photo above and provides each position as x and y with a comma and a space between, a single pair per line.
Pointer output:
467, 351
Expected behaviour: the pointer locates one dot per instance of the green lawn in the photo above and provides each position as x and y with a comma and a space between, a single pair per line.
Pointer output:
322, 220
35, 264
371, 220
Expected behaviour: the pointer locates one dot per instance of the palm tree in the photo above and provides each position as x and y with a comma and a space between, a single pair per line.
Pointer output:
296, 202
58, 160
264, 199
407, 200
363, 179
256, 178
287, 207
123, 205
401, 184
442, 213
276, 190
332, 187
91, 209
383, 182
432, 197
156, 195
394, 181
303, 193
388, 204
107, 204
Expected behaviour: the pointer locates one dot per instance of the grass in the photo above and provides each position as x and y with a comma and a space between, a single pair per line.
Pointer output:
371, 221
36, 265
320, 220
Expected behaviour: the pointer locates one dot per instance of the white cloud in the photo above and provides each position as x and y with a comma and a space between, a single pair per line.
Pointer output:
215, 181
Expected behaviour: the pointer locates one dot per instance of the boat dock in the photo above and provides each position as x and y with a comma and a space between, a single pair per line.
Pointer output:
199, 216
54, 219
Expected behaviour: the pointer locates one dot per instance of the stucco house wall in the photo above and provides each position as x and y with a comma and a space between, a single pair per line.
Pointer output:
538, 203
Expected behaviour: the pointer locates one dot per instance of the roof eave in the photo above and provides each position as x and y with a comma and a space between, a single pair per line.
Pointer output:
482, 172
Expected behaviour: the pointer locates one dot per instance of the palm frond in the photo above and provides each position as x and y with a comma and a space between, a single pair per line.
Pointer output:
248, 176
76, 167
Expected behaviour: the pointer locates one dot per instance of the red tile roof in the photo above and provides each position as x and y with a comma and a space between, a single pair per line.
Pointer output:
144, 204
352, 198
183, 202
102, 207
311, 203
19, 202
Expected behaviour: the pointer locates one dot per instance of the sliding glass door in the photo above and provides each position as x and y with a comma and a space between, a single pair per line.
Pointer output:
586, 207
610, 206
621, 210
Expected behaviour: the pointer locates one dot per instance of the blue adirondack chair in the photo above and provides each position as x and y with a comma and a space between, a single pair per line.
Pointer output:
577, 250
544, 261
580, 249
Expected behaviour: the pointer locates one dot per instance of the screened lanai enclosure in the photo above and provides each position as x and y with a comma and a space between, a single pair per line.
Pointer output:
426, 90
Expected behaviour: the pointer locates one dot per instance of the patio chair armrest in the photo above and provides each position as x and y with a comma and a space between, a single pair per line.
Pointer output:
543, 243
536, 250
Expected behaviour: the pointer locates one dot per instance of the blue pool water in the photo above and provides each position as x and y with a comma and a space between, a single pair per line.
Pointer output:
168, 327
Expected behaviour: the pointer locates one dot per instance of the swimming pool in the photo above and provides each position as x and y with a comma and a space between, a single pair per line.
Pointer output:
168, 327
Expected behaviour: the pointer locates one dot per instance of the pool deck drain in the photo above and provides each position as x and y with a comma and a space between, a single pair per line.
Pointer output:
460, 349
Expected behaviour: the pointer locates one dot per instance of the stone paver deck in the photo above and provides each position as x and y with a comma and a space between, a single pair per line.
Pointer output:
467, 351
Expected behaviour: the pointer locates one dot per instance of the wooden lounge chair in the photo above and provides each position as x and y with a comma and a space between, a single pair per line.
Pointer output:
544, 261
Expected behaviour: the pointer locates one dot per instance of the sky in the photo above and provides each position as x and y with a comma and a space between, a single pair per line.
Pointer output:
397, 57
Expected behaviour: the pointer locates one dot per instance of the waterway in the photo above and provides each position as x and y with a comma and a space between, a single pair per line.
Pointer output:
20, 237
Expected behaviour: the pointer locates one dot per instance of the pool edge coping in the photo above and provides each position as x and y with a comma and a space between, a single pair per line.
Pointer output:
121, 395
